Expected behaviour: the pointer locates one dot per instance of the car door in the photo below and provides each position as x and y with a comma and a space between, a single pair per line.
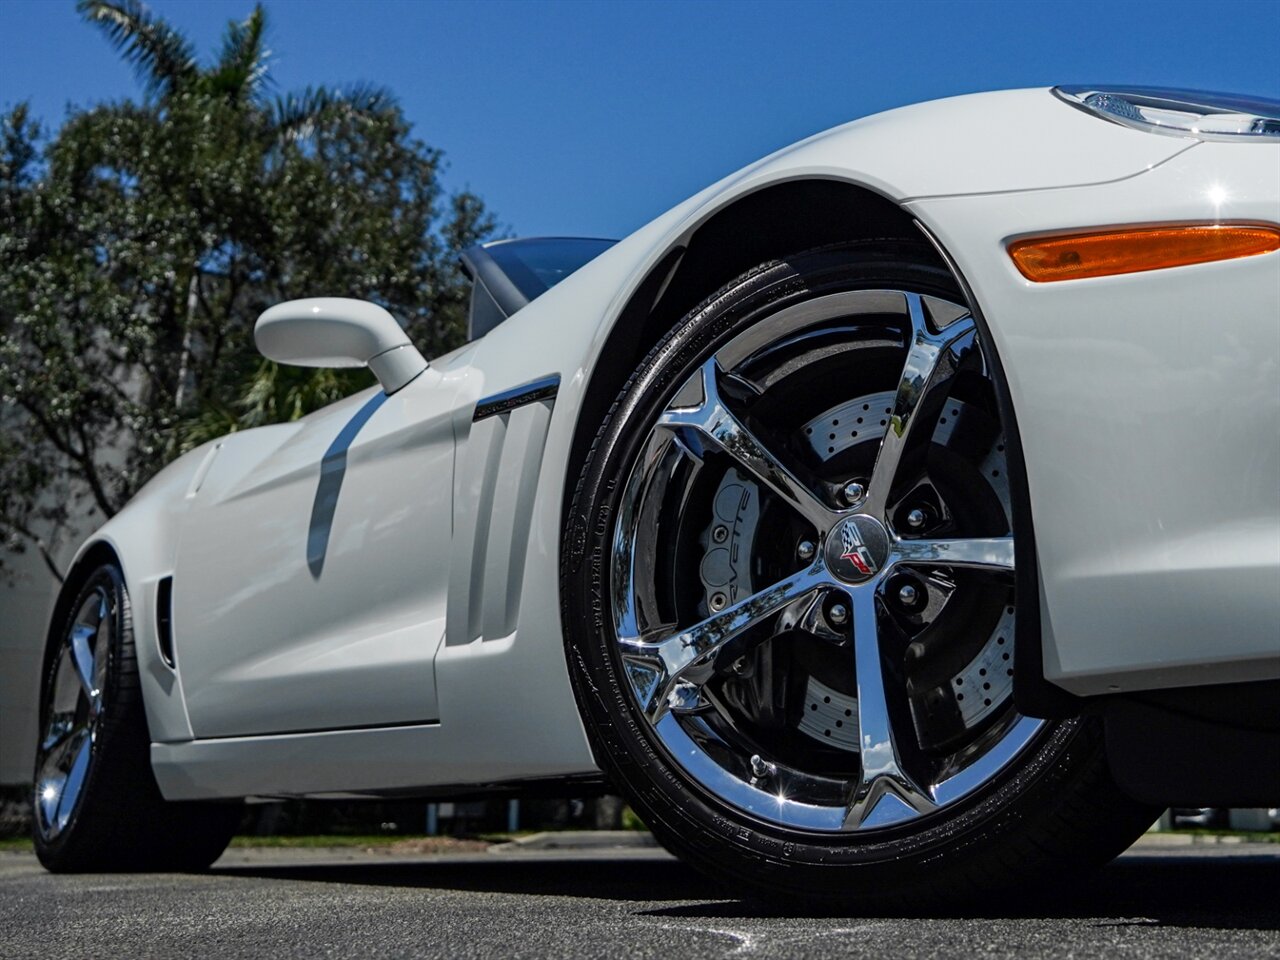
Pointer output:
312, 569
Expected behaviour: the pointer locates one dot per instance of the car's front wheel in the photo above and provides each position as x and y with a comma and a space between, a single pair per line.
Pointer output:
96, 803
789, 598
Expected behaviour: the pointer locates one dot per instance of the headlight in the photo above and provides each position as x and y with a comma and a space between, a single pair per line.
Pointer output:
1180, 113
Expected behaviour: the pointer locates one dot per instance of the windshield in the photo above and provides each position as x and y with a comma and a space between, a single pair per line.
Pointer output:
535, 266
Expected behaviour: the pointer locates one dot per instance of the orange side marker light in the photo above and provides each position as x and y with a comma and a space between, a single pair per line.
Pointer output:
1076, 256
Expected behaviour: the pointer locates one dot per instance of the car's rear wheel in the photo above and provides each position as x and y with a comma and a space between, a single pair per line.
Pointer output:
96, 802
789, 597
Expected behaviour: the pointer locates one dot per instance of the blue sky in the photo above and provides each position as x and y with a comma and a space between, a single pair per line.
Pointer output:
591, 118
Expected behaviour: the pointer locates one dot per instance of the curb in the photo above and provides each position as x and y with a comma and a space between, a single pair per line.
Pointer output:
1191, 840
583, 840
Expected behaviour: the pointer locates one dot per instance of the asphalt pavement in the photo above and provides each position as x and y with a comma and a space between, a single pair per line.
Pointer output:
1219, 901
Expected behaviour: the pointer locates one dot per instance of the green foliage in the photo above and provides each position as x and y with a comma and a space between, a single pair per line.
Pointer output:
140, 244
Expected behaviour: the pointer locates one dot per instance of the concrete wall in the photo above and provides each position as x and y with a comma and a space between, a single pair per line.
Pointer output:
24, 613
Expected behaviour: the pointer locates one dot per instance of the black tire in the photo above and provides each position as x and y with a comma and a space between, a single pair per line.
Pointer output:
119, 821
1054, 812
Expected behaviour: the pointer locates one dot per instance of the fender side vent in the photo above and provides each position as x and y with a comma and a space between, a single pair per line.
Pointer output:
164, 620
495, 488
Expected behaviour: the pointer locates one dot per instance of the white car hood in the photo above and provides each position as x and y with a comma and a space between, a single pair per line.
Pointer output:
1001, 142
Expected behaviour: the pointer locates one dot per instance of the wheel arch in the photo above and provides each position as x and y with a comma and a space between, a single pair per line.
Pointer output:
777, 219
139, 543
772, 221
95, 554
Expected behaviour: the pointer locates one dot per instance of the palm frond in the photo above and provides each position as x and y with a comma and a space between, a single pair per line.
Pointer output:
162, 57
242, 64
296, 114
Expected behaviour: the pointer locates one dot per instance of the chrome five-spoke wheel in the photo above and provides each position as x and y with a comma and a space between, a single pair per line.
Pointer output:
74, 702
790, 592
806, 620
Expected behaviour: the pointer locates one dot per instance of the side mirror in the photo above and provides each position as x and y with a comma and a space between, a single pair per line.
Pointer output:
339, 332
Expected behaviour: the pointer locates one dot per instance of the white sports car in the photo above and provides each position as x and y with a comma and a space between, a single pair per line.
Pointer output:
898, 517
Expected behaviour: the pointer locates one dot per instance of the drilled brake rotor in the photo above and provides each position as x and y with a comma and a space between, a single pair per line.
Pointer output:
979, 688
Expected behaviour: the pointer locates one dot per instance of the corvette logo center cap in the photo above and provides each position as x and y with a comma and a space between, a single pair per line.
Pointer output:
856, 549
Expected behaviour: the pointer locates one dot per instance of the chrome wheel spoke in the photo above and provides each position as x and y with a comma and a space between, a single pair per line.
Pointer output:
81, 642
101, 652
983, 553
61, 777
658, 667
715, 422
48, 796
75, 779
884, 792
57, 758
59, 728
925, 378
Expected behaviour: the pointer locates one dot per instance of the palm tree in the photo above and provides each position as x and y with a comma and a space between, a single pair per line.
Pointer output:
167, 68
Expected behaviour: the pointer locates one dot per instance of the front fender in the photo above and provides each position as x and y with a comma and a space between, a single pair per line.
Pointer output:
143, 536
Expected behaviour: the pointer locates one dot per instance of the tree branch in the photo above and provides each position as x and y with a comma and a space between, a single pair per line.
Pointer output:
91, 477
45, 553
83, 457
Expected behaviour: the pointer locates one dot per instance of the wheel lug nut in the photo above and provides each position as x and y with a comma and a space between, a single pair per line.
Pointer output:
720, 534
854, 493
907, 595
838, 614
718, 602
806, 550
915, 518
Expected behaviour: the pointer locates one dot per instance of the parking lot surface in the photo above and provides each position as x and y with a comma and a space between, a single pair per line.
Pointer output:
1218, 901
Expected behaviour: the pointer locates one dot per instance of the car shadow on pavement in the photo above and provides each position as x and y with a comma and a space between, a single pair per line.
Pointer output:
1237, 893
1230, 892
627, 878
